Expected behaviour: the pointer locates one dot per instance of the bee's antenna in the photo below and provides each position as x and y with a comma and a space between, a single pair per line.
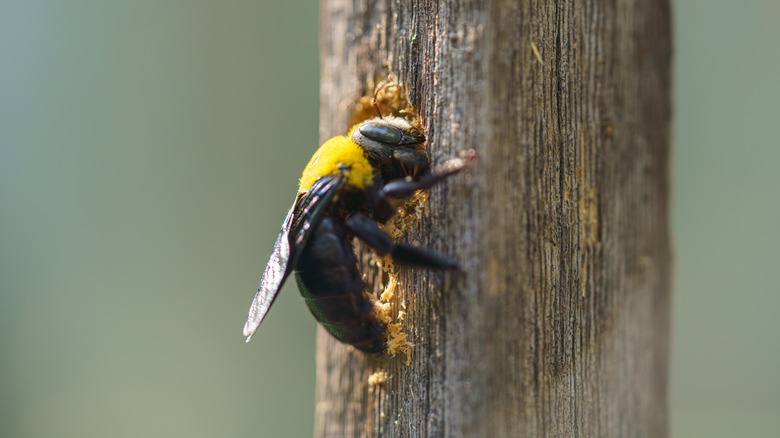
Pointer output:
379, 86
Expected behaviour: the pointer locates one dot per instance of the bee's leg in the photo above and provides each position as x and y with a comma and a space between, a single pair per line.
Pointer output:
403, 188
369, 232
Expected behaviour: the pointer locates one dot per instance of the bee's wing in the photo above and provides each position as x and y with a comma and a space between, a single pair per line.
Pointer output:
276, 271
296, 229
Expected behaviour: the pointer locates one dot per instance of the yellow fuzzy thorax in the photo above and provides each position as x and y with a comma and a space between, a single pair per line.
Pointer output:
332, 154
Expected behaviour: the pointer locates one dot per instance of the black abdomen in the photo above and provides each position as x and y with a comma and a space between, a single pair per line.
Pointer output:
331, 284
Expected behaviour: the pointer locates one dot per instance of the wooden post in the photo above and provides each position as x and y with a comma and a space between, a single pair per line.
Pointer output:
560, 324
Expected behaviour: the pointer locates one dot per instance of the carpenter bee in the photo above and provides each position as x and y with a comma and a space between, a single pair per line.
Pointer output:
350, 186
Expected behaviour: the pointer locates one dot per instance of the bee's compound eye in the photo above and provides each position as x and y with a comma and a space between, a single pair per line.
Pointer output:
381, 133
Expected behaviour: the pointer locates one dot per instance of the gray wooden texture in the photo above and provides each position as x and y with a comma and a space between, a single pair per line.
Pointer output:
559, 325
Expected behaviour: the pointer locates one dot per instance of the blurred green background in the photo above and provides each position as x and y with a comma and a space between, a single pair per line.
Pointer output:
149, 151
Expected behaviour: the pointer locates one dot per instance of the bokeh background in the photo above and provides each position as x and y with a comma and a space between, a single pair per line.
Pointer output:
149, 151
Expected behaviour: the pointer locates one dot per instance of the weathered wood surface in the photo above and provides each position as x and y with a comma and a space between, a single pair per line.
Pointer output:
560, 324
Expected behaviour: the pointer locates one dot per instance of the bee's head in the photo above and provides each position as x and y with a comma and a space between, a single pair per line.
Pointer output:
377, 135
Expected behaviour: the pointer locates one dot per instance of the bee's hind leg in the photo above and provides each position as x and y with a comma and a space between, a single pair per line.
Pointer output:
404, 254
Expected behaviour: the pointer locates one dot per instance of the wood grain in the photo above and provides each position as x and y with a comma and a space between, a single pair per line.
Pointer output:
560, 324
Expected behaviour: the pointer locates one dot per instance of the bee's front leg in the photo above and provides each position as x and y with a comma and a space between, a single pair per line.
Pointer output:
403, 188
